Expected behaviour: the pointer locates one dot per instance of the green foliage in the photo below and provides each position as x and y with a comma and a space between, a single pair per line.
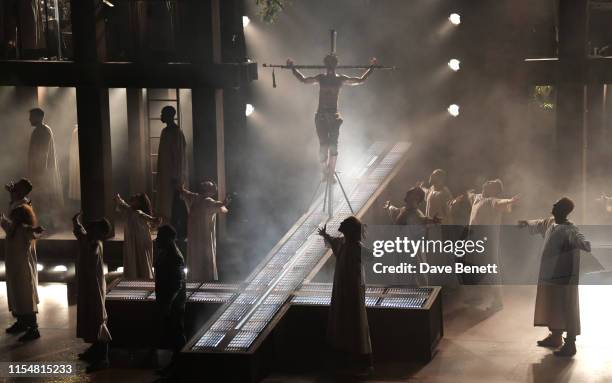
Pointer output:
269, 9
544, 96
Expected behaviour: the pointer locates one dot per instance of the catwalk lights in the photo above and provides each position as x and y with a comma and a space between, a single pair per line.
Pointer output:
454, 64
248, 110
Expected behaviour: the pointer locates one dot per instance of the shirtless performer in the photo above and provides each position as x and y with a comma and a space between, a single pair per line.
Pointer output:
327, 119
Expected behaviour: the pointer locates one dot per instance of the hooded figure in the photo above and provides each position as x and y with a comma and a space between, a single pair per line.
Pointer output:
348, 332
91, 287
20, 256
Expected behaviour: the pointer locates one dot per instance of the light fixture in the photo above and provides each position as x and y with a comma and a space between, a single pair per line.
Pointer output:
39, 267
454, 18
119, 269
60, 269
248, 110
454, 64
185, 270
245, 21
108, 3
453, 110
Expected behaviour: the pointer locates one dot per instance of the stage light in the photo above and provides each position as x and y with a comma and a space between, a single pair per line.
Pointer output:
60, 269
39, 267
245, 21
453, 110
108, 3
454, 18
119, 269
454, 64
248, 110
185, 270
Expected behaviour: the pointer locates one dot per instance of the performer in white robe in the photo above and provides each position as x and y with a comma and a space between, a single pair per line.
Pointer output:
171, 164
201, 232
20, 257
74, 167
485, 221
410, 215
348, 332
557, 305
437, 200
42, 169
137, 241
91, 290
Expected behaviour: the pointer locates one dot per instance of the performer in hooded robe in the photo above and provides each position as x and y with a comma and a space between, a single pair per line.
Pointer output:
171, 164
137, 240
557, 305
201, 231
416, 224
42, 169
20, 257
91, 287
170, 292
74, 167
348, 332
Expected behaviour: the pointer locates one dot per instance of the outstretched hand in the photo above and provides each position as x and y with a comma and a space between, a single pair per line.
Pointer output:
227, 201
386, 205
322, 231
38, 229
75, 218
290, 63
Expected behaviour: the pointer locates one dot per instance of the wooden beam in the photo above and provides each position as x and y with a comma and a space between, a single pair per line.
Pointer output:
137, 140
126, 74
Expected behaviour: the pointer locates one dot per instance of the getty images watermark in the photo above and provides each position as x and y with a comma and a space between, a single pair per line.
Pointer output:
408, 255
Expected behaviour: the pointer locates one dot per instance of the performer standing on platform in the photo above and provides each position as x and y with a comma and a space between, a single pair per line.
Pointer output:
327, 118
170, 291
201, 231
348, 331
171, 163
42, 169
20, 258
137, 241
91, 290
557, 304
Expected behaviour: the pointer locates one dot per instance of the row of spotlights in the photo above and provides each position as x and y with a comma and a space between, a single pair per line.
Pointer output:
454, 64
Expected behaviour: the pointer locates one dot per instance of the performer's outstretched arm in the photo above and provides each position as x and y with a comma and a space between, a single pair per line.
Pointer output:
300, 76
360, 80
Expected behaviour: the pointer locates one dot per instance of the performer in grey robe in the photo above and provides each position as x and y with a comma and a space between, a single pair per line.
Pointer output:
557, 305
171, 164
91, 288
20, 257
348, 332
42, 169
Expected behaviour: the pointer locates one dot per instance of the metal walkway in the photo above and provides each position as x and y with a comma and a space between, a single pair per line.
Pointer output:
237, 324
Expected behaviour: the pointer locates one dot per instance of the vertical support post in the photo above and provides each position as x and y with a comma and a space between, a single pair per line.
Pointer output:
571, 99
92, 112
137, 140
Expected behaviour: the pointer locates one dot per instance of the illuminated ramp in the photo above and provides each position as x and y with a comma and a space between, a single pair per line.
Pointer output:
239, 328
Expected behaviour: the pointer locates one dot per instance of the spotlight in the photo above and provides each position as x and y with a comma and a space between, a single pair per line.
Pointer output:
245, 21
60, 269
108, 3
454, 18
454, 64
119, 269
248, 110
185, 270
453, 110
39, 267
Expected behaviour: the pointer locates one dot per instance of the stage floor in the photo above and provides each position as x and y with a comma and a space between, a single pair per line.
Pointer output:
477, 346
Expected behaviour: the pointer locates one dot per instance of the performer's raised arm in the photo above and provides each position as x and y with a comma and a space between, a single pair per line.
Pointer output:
360, 80
300, 76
